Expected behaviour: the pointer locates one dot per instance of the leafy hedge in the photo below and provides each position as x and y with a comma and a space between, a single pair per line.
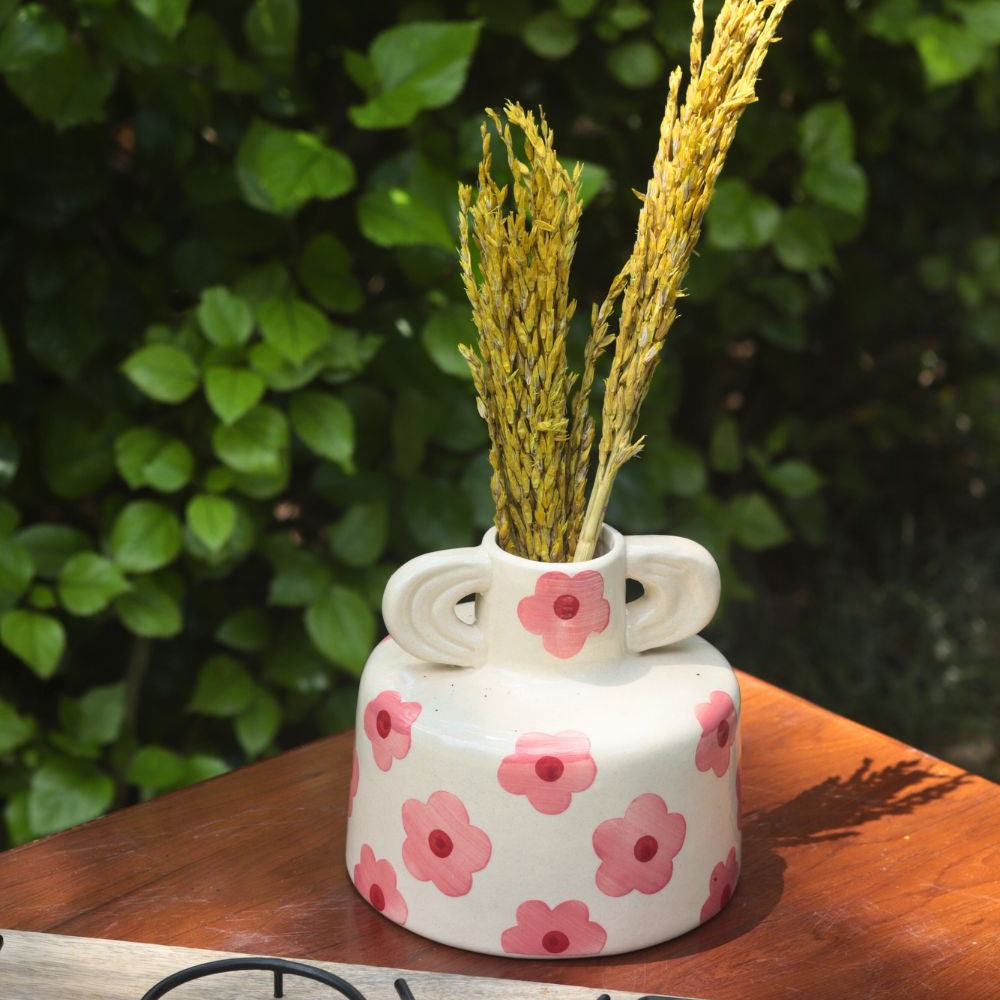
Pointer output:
231, 398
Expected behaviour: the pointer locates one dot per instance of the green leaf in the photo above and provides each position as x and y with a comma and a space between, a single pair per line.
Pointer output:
6, 365
67, 88
838, 184
636, 64
156, 769
97, 717
893, 20
392, 217
801, 242
64, 792
145, 536
42, 596
577, 8
325, 424
31, 34
826, 133
163, 372
754, 522
299, 575
149, 610
295, 665
15, 729
223, 688
76, 454
437, 514
360, 536
272, 28
342, 627
246, 629
441, 335
225, 318
36, 639
10, 455
678, 469
167, 15
10, 517
740, 218
145, 457
232, 392
793, 478
88, 583
414, 67
211, 520
256, 444
50, 545
724, 448
949, 52
325, 270
279, 170
16, 570
593, 178
293, 328
551, 34
258, 725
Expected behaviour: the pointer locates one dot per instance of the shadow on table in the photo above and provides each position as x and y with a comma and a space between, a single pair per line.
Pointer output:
831, 810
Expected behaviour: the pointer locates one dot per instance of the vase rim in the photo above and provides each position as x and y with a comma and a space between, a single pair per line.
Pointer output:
609, 539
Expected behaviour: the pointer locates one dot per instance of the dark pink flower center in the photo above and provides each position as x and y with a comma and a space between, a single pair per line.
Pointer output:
440, 843
727, 892
722, 733
645, 848
383, 723
566, 606
377, 898
549, 768
555, 942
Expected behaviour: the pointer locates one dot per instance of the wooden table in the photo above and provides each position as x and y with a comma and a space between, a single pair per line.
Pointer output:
871, 870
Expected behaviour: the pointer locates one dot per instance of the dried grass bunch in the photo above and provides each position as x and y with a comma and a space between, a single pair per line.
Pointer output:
536, 410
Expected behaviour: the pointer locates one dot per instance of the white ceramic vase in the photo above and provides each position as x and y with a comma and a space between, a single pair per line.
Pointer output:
550, 772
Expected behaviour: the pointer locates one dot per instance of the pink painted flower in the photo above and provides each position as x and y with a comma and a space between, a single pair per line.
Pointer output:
376, 881
637, 851
387, 724
718, 731
564, 610
721, 885
563, 932
441, 845
355, 774
549, 769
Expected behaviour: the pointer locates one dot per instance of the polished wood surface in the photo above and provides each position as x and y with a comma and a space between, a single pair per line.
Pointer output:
870, 870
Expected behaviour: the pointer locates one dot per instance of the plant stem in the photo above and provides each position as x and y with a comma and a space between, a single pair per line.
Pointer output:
597, 506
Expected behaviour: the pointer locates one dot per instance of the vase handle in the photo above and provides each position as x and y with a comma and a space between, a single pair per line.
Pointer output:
420, 600
681, 582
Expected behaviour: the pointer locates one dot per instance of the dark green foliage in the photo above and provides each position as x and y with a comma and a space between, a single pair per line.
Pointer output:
231, 402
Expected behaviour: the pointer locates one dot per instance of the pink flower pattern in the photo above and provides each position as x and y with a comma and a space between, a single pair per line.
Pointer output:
564, 610
376, 881
637, 850
387, 724
548, 769
721, 885
441, 845
355, 775
563, 932
718, 732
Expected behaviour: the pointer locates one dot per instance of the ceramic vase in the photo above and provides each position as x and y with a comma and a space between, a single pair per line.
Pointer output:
548, 771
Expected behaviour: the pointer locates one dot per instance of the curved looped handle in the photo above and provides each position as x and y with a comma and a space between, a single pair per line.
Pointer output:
419, 606
681, 583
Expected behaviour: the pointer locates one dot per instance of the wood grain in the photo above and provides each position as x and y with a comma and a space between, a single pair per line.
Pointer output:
870, 870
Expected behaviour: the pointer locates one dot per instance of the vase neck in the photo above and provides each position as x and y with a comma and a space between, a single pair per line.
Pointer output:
551, 616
